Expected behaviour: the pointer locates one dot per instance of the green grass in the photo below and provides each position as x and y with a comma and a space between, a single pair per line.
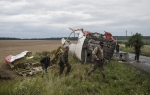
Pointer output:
120, 80
121, 41
146, 42
145, 51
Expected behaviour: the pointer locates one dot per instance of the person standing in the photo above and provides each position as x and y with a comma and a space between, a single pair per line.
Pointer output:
137, 50
97, 56
117, 48
45, 61
64, 62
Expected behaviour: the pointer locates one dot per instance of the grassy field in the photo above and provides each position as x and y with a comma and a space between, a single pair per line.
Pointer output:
120, 79
144, 50
146, 42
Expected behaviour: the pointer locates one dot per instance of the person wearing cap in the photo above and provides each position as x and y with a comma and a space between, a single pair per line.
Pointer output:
97, 55
64, 62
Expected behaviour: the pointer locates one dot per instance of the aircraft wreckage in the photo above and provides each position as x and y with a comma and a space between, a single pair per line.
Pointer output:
86, 42
21, 65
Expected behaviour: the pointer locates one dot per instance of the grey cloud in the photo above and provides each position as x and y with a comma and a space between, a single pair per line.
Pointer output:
51, 18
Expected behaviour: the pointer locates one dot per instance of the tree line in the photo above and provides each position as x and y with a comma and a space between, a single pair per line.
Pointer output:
71, 38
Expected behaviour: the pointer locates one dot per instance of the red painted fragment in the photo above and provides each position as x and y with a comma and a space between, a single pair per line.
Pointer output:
109, 36
86, 32
8, 59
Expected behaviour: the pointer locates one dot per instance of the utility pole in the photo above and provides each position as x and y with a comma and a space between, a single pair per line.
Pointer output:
126, 33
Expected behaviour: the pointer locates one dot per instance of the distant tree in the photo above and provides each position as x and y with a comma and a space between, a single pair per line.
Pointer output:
132, 40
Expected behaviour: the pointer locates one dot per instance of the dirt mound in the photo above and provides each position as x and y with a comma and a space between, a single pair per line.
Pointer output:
6, 73
4, 76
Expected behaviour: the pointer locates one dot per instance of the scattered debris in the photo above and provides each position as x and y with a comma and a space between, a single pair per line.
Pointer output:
21, 67
121, 56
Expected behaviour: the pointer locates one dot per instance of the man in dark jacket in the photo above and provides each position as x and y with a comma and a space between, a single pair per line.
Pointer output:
64, 62
137, 50
117, 48
45, 61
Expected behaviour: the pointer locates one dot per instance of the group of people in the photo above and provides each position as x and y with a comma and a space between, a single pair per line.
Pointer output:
97, 56
45, 61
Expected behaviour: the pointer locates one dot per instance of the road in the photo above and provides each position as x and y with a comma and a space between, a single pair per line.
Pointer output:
144, 63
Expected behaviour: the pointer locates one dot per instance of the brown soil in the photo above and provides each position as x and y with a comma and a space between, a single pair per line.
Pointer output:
14, 47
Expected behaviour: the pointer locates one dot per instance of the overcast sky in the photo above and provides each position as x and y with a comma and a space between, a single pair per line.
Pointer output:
51, 18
